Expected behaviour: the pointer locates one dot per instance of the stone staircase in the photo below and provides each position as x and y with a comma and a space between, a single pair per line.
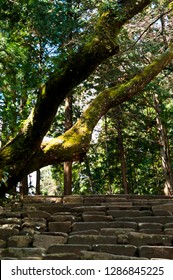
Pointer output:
95, 227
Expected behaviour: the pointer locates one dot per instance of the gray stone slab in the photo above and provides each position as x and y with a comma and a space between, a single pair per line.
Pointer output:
96, 218
115, 231
150, 226
127, 250
81, 226
61, 256
59, 226
139, 239
123, 224
147, 219
67, 248
130, 213
150, 252
87, 255
91, 239
45, 241
5, 233
20, 241
23, 253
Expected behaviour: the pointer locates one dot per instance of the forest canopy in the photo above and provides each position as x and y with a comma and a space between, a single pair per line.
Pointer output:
114, 59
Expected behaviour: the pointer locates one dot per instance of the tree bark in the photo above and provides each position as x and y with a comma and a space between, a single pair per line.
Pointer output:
24, 186
122, 153
38, 177
164, 149
68, 164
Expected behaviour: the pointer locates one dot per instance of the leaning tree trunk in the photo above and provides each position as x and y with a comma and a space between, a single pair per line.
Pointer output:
164, 149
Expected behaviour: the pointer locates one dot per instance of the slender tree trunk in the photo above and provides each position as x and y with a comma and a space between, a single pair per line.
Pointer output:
164, 149
68, 165
24, 186
107, 154
38, 182
122, 154
87, 165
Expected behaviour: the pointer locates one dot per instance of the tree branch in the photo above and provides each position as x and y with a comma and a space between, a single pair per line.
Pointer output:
76, 140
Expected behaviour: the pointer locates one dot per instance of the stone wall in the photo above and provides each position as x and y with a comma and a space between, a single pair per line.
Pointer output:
87, 227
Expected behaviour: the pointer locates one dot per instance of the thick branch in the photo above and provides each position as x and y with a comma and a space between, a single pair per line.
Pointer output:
74, 69
76, 141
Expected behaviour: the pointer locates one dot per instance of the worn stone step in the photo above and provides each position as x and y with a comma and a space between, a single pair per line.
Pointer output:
20, 241
89, 255
73, 199
115, 231
150, 226
34, 224
61, 256
130, 213
59, 226
10, 214
85, 232
41, 199
162, 213
152, 231
57, 208
147, 219
45, 241
164, 207
127, 250
67, 248
37, 214
168, 231
2, 243
23, 253
132, 207
91, 239
62, 218
140, 239
5, 233
96, 218
81, 209
150, 252
81, 226
123, 224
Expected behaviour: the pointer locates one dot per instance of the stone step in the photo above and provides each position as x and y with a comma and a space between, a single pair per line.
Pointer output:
81, 209
147, 219
123, 224
96, 218
130, 213
89, 255
23, 253
67, 248
59, 226
61, 256
150, 252
91, 239
81, 226
115, 231
115, 249
140, 239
